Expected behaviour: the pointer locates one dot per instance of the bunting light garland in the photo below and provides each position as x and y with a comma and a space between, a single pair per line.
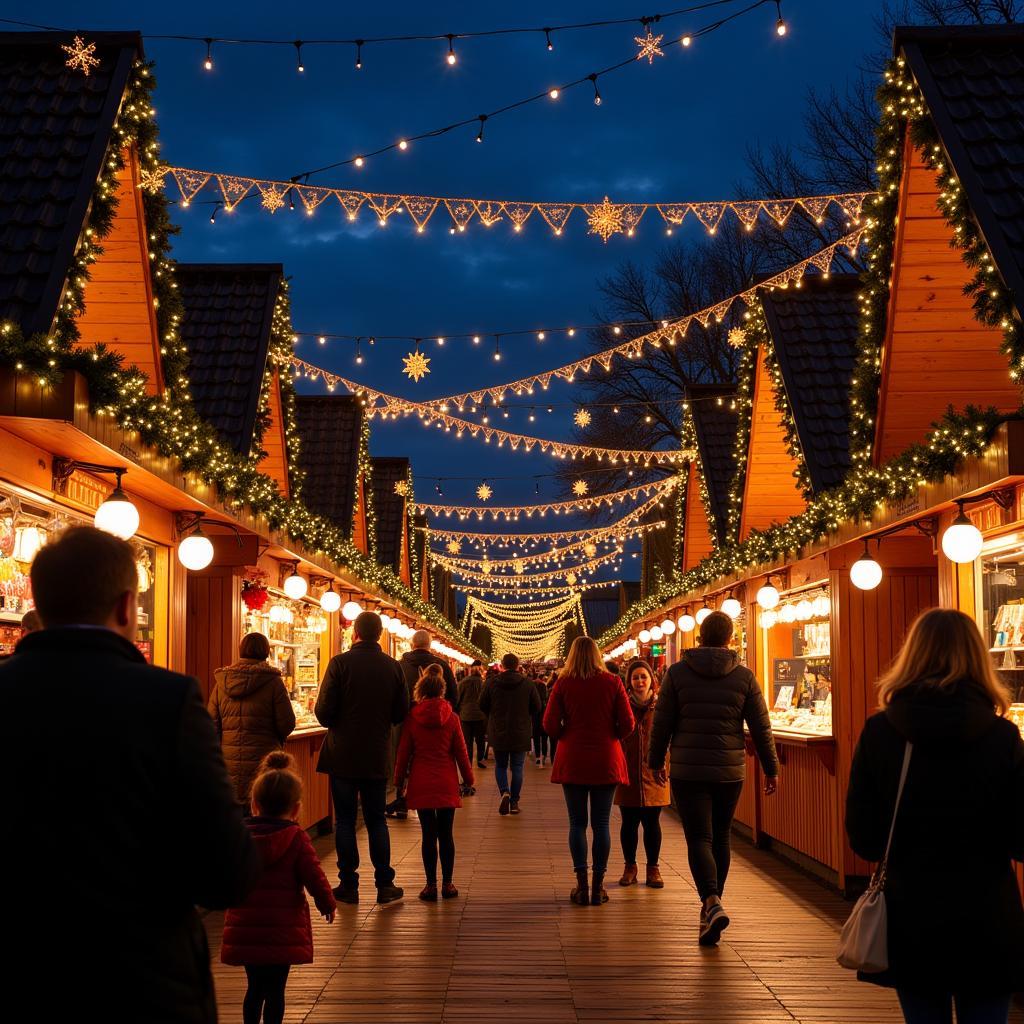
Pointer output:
603, 219
520, 580
532, 632
550, 591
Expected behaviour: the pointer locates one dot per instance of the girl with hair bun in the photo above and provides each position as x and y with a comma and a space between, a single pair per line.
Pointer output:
271, 930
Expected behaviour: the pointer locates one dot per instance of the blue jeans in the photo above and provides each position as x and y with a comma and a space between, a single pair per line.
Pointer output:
937, 1008
600, 800
502, 760
373, 793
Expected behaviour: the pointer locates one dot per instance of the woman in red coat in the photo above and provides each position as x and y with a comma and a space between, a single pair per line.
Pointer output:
433, 740
588, 714
270, 931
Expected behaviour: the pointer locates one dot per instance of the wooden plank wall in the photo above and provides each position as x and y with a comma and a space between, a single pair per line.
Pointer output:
935, 352
770, 492
697, 540
315, 787
275, 464
360, 536
868, 628
119, 308
213, 623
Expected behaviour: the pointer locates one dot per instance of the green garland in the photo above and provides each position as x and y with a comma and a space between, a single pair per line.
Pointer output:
169, 422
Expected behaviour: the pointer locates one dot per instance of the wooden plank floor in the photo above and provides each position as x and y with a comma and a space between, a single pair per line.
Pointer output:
513, 949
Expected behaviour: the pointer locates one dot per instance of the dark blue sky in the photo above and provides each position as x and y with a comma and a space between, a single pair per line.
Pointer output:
677, 130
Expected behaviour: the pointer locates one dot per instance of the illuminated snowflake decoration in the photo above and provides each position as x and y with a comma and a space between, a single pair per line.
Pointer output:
649, 47
582, 418
417, 366
80, 56
570, 578
484, 492
402, 488
518, 566
737, 337
604, 219
590, 550
271, 199
152, 180
454, 547
485, 567
580, 488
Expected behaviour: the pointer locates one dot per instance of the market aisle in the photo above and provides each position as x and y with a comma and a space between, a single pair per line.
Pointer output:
512, 948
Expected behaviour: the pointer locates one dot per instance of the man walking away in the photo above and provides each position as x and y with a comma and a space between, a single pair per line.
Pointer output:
415, 661
134, 765
704, 701
363, 694
474, 721
510, 702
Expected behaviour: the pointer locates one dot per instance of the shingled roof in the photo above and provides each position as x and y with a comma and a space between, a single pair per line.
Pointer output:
229, 309
715, 425
389, 508
814, 334
330, 428
55, 124
972, 78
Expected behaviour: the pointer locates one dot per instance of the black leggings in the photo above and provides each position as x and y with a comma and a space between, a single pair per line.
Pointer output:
437, 828
629, 834
265, 994
706, 810
540, 738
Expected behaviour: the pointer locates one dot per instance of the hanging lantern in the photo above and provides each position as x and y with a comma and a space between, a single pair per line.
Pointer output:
352, 610
278, 613
768, 596
195, 551
656, 633
27, 542
804, 610
668, 627
769, 619
787, 613
644, 636
295, 586
330, 601
702, 614
866, 573
961, 543
732, 607
686, 623
822, 606
117, 515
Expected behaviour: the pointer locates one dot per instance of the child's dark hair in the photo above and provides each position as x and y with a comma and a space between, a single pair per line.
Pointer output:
431, 683
277, 788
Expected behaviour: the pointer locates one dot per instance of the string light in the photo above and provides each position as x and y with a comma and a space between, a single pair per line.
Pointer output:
597, 92
780, 25
208, 63
359, 54
480, 134
554, 93
451, 58
299, 66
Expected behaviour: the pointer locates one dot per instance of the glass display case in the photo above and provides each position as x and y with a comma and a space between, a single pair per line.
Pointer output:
796, 662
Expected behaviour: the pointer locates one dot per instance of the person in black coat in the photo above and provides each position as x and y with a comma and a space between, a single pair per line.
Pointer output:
415, 661
124, 761
955, 919
705, 699
510, 701
363, 694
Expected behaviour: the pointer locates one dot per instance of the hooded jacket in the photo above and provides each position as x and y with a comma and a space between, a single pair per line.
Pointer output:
253, 715
954, 908
704, 701
432, 739
415, 661
272, 925
509, 701
470, 690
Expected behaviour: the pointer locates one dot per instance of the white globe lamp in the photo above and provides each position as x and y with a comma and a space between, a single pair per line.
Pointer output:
330, 601
768, 596
787, 613
702, 614
668, 627
657, 633
822, 606
686, 623
732, 607
769, 619
865, 573
195, 551
804, 610
385, 621
962, 541
117, 515
295, 586
351, 610
644, 636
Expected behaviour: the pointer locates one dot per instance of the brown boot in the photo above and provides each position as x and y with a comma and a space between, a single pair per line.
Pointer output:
654, 879
629, 874
598, 893
581, 894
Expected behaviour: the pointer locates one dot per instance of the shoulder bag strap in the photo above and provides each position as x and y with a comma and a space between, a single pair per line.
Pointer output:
899, 796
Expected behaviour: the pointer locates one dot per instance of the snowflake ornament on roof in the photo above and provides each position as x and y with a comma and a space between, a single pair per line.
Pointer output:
81, 56
737, 337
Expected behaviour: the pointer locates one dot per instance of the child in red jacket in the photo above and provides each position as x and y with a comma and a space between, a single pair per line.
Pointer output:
433, 739
271, 930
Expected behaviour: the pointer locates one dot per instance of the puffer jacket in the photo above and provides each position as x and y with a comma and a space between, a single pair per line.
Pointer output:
642, 790
253, 714
509, 701
432, 740
272, 926
468, 703
704, 701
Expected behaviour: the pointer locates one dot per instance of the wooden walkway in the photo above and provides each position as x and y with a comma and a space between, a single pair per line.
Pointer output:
513, 949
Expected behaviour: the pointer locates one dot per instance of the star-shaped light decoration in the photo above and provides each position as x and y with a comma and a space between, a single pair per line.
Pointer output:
582, 418
402, 488
485, 567
484, 492
271, 199
590, 549
580, 488
454, 547
649, 46
152, 180
737, 337
80, 56
570, 578
417, 365
518, 567
604, 219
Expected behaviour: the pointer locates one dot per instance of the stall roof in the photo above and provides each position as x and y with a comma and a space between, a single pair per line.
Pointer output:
389, 509
972, 78
229, 311
55, 124
814, 335
715, 427
330, 429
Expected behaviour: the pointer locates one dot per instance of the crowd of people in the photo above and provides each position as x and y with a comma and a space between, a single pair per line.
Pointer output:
172, 805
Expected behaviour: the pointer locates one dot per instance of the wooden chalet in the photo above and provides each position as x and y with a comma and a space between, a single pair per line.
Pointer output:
392, 503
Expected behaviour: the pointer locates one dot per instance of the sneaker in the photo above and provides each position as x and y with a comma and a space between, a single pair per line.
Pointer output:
448, 891
514, 807
715, 921
389, 894
505, 805
429, 894
343, 895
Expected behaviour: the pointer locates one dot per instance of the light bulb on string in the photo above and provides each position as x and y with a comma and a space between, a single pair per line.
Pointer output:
547, 36
497, 348
780, 25
480, 134
554, 93
359, 54
213, 215
358, 161
597, 95
299, 66
451, 58
208, 63
686, 41
359, 354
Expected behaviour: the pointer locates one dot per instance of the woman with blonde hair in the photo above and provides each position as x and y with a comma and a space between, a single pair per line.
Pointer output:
955, 918
588, 713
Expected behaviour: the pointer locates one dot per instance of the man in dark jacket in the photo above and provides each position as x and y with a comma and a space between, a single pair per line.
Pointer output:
510, 701
415, 661
363, 694
147, 821
474, 721
704, 701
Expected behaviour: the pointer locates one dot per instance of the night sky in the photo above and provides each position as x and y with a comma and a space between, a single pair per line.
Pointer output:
675, 131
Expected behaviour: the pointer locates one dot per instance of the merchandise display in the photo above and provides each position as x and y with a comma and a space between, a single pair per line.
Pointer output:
1002, 609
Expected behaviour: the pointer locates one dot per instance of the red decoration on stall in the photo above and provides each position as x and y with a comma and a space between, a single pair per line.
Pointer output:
254, 589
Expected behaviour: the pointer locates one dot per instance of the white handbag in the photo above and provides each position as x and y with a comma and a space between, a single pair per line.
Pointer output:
864, 940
